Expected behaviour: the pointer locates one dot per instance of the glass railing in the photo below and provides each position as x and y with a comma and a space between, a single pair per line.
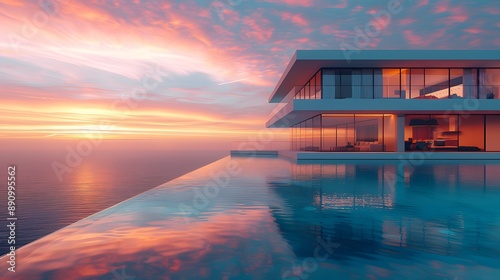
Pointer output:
399, 92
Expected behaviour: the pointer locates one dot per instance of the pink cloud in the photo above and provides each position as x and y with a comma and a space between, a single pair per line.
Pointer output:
441, 6
257, 27
297, 19
434, 38
336, 31
474, 30
413, 39
303, 3
475, 42
458, 14
422, 3
357, 8
341, 4
406, 21
491, 10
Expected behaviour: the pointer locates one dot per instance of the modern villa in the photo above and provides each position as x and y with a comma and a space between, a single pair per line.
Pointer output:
383, 104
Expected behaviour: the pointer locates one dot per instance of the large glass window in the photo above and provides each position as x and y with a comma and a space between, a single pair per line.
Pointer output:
405, 83
418, 128
443, 133
389, 133
369, 133
426, 132
346, 82
428, 83
331, 83
308, 128
436, 83
356, 83
348, 133
312, 89
489, 83
336, 131
391, 84
318, 85
316, 133
329, 134
377, 132
367, 83
302, 134
306, 90
417, 83
470, 83
456, 83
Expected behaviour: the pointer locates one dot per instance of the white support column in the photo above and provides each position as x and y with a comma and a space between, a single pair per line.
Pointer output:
400, 133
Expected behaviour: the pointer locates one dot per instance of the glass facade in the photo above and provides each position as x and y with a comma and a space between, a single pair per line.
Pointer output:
442, 133
312, 89
377, 133
406, 83
345, 133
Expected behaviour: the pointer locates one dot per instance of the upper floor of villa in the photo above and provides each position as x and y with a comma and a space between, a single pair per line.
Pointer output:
389, 81
404, 74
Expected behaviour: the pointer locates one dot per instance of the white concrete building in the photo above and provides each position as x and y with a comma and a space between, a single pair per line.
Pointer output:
388, 102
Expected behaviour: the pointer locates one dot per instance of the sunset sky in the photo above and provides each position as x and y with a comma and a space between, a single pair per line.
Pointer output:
190, 72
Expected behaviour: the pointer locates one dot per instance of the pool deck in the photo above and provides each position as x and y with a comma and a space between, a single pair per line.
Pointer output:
425, 155
254, 153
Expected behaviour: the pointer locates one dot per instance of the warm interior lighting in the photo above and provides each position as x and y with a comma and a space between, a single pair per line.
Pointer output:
420, 122
357, 115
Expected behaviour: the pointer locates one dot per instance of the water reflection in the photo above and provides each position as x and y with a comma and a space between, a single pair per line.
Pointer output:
392, 212
100, 180
432, 220
150, 237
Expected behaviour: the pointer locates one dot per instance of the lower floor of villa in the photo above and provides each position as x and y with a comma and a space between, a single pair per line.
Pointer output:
369, 133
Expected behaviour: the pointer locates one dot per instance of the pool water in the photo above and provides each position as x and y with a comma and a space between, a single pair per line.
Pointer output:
268, 218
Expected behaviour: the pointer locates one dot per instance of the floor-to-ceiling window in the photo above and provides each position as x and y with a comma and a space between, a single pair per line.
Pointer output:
457, 132
346, 133
312, 88
377, 132
406, 83
489, 83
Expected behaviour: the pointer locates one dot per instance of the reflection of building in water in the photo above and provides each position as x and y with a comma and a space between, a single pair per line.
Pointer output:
374, 184
391, 209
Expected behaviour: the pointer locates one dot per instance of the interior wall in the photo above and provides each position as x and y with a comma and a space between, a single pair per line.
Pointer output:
472, 131
408, 131
493, 133
390, 123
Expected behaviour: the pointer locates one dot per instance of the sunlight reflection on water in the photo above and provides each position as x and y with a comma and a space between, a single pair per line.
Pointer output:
271, 216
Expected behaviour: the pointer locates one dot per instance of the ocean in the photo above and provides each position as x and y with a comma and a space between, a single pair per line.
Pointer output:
46, 202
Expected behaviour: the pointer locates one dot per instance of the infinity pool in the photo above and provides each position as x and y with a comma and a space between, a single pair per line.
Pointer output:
268, 218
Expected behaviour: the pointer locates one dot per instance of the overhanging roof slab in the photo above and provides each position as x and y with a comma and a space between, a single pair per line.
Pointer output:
305, 63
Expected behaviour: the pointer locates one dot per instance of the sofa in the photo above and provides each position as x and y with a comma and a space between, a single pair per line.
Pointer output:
365, 146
